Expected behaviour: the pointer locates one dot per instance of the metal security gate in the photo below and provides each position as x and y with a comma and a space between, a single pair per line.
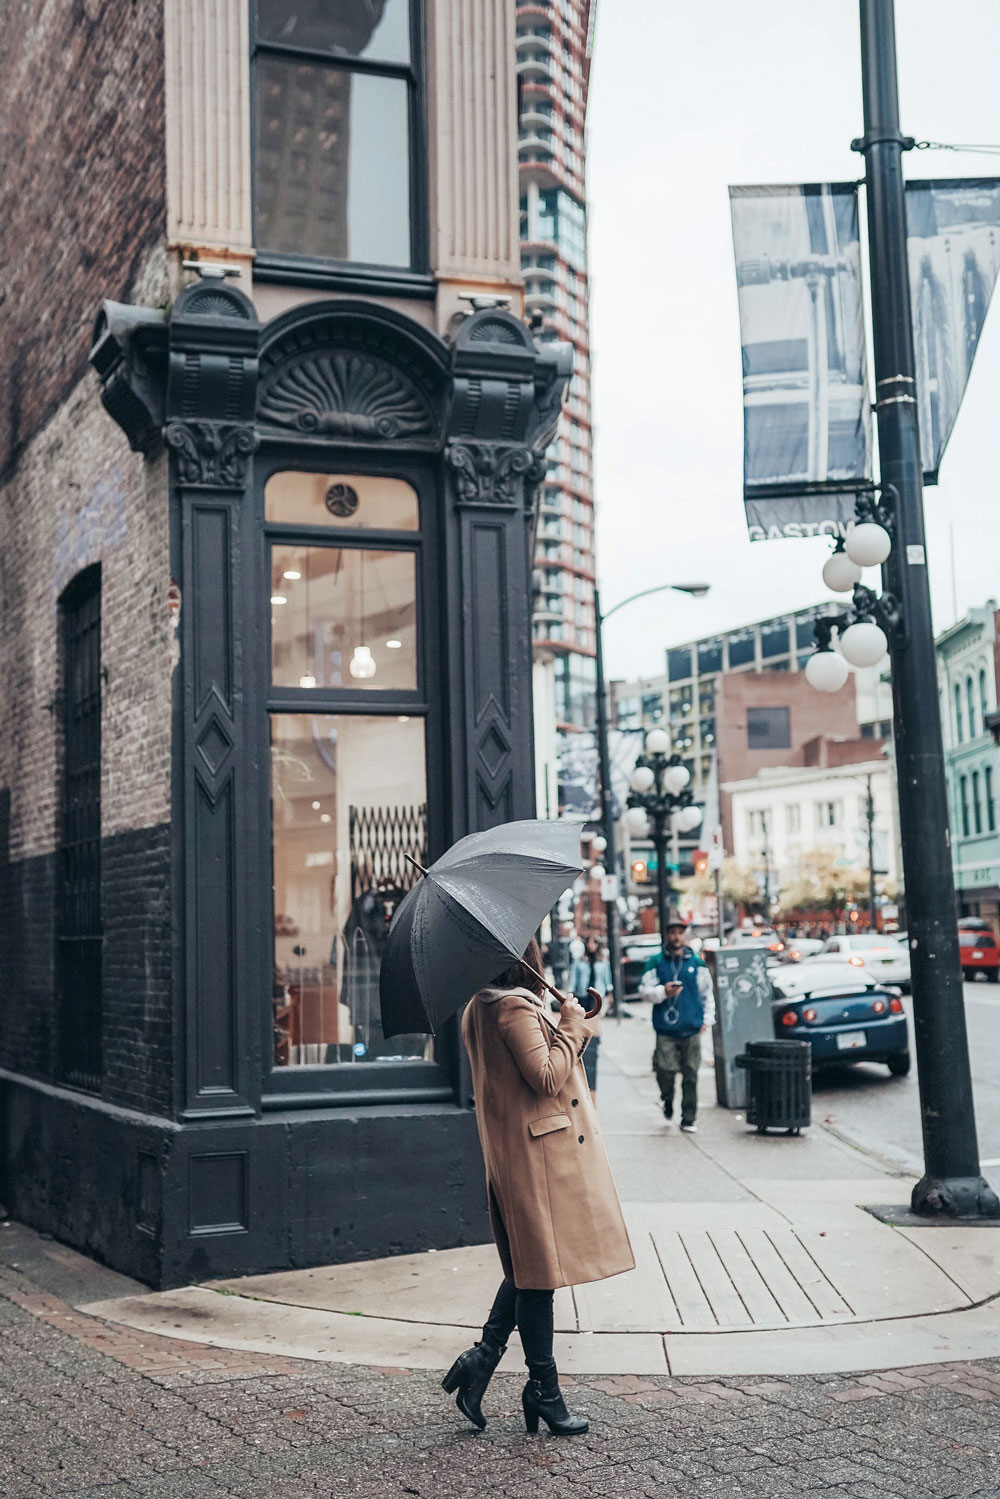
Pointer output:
79, 933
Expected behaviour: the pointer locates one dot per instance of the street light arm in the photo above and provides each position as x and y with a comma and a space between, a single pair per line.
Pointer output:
696, 590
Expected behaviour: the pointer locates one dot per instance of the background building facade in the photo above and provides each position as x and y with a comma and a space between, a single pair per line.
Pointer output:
267, 614
554, 40
968, 676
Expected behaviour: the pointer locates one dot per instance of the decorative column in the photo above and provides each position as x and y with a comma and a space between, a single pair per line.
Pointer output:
210, 404
505, 404
472, 149
207, 62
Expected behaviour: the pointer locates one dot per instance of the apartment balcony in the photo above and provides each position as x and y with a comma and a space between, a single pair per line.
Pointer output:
528, 41
538, 69
539, 118
536, 300
532, 272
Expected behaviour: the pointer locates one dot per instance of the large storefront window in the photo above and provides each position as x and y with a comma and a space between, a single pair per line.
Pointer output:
348, 803
348, 734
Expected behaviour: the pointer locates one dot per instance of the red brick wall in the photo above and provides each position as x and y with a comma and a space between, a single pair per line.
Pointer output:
82, 188
812, 714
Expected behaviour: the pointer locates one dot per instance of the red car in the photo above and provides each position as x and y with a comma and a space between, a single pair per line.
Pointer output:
979, 952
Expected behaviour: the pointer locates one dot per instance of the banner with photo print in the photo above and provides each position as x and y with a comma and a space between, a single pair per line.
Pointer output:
953, 248
807, 419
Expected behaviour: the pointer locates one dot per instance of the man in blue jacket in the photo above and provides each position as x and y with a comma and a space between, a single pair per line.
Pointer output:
680, 986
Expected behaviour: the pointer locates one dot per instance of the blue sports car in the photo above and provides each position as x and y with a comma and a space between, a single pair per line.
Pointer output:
845, 1017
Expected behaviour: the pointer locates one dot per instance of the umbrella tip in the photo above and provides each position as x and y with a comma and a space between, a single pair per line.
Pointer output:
415, 863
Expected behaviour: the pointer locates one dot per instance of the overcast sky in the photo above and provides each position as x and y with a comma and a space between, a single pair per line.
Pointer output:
686, 99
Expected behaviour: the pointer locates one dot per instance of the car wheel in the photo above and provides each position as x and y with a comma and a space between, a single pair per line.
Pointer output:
967, 975
993, 976
899, 1065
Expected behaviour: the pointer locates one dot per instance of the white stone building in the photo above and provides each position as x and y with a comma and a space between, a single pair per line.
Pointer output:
781, 814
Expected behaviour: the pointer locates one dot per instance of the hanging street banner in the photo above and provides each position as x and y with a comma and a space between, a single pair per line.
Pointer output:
807, 446
953, 248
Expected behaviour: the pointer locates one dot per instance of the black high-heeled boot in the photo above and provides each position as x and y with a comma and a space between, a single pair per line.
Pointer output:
542, 1397
469, 1375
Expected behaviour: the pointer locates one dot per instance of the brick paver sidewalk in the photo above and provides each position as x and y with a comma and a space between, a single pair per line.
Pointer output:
92, 1411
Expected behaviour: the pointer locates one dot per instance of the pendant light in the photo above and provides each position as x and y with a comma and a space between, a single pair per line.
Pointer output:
362, 663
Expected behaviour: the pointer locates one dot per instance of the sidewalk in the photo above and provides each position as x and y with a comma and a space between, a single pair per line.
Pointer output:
754, 1256
94, 1406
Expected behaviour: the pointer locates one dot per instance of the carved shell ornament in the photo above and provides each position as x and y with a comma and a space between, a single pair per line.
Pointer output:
345, 395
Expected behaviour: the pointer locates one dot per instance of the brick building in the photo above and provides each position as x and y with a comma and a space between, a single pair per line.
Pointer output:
266, 615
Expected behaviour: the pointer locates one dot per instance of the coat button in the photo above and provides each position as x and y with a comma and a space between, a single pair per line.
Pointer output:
575, 1102
581, 1139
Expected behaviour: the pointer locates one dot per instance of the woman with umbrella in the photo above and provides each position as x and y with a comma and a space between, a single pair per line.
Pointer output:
554, 1211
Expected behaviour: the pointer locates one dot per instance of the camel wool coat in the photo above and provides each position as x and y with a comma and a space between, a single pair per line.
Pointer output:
554, 1209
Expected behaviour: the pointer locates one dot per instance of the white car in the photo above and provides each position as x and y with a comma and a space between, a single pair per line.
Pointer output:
797, 948
818, 975
879, 957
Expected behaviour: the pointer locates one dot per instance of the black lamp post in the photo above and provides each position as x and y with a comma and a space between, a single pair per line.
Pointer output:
661, 797
891, 532
697, 591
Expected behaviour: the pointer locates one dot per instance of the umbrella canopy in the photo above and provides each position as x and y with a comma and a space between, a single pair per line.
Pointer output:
472, 914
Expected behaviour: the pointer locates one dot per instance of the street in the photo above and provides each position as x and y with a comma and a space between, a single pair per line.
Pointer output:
882, 1114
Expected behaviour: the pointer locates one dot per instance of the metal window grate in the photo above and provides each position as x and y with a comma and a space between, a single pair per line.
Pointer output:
380, 839
79, 933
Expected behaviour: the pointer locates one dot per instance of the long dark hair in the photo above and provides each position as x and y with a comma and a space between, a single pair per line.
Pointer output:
520, 976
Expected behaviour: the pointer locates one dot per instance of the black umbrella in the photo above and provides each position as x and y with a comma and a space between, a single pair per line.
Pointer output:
471, 915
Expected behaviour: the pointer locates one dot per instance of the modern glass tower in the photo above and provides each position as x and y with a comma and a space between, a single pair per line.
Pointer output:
553, 66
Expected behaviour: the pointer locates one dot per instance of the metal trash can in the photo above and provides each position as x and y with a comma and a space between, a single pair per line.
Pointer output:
779, 1084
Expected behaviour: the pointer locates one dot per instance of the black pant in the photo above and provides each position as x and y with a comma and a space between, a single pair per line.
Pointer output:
531, 1313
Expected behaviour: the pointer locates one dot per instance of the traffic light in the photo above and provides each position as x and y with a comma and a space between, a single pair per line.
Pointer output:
640, 872
700, 864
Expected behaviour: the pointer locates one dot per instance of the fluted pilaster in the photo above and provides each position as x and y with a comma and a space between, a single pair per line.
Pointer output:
208, 124
473, 139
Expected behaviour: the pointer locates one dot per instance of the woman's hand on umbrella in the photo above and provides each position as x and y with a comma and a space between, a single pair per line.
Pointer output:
570, 1006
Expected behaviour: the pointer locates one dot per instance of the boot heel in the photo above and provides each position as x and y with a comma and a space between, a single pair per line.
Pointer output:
530, 1417
451, 1380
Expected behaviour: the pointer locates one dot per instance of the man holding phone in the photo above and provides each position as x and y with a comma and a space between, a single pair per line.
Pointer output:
680, 986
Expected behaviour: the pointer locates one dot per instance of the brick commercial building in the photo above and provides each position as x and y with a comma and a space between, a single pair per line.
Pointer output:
266, 608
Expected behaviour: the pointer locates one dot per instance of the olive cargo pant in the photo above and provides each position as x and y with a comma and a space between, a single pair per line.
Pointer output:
681, 1054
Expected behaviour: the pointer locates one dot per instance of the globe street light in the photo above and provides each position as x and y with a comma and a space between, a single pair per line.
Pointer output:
696, 591
660, 791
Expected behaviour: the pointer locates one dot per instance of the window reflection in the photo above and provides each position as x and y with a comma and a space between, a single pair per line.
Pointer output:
343, 617
377, 30
355, 501
348, 803
324, 136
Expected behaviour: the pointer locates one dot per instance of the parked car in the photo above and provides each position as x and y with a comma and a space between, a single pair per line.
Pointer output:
845, 1017
881, 956
979, 952
797, 948
636, 953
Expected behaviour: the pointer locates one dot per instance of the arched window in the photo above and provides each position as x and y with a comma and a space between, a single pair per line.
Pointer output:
959, 730
984, 706
971, 704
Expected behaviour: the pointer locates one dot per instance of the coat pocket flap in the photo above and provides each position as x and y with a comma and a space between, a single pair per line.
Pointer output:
546, 1126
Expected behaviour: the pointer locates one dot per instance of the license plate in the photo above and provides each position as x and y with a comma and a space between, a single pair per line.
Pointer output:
977, 954
851, 1040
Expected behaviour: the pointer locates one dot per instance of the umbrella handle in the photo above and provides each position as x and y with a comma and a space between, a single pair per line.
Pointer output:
595, 1009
